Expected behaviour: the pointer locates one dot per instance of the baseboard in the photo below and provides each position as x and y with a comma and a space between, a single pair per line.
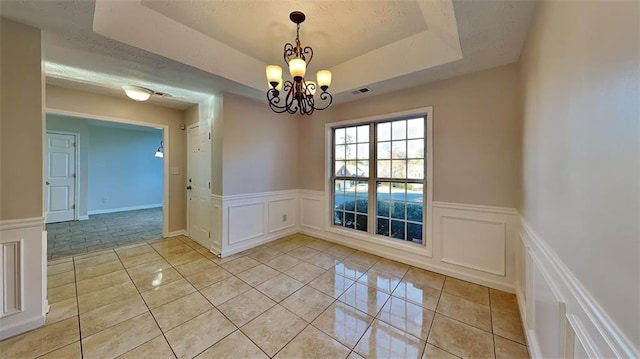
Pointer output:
8, 331
584, 328
83, 218
124, 209
258, 241
182, 232
416, 262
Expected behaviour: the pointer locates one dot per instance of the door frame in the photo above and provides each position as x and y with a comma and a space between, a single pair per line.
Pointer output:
76, 179
165, 160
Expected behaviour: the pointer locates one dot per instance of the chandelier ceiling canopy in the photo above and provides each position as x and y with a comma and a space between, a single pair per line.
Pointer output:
299, 95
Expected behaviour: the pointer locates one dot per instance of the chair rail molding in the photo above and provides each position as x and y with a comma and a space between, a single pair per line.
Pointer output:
560, 316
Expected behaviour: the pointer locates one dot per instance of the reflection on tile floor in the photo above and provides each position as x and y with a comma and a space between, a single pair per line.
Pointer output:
297, 297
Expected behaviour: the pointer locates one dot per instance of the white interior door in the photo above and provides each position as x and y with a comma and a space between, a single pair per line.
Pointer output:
199, 183
60, 185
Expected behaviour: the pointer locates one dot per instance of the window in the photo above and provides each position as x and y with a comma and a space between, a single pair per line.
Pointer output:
378, 178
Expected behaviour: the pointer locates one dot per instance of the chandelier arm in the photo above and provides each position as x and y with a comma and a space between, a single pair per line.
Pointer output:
310, 101
325, 96
274, 100
307, 51
289, 51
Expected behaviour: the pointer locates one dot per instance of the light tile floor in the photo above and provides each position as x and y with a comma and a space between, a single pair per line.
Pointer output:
297, 297
103, 231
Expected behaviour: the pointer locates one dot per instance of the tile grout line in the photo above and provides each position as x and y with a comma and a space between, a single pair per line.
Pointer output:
148, 309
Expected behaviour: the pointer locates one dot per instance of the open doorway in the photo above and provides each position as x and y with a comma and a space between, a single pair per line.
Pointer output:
104, 184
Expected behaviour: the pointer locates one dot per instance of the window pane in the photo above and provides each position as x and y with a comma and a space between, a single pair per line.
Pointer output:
383, 227
363, 151
352, 170
399, 149
361, 222
338, 197
349, 219
384, 169
414, 233
397, 229
340, 154
383, 208
341, 168
399, 130
415, 148
415, 128
416, 169
339, 136
363, 133
350, 137
384, 131
351, 152
398, 191
363, 168
414, 212
384, 150
398, 169
398, 210
338, 218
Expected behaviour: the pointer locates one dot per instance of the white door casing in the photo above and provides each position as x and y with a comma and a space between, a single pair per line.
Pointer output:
199, 183
60, 181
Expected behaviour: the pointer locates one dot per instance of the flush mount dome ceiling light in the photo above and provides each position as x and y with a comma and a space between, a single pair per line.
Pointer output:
137, 93
299, 94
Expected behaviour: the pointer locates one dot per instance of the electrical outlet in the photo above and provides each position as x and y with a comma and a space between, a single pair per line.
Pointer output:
284, 217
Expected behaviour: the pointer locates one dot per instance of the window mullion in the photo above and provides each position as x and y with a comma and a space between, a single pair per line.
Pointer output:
373, 172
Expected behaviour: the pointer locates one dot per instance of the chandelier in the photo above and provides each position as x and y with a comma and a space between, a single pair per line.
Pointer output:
299, 94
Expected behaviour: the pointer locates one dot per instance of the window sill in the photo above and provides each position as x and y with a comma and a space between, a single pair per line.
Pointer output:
396, 244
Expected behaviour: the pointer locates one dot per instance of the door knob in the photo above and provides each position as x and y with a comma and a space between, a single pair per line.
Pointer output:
47, 183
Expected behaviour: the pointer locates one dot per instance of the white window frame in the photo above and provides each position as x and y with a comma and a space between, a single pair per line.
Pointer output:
426, 248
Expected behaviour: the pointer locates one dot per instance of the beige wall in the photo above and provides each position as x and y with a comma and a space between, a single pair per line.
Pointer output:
476, 131
21, 121
90, 105
581, 154
259, 147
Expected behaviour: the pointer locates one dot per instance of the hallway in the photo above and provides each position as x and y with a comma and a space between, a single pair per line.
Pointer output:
102, 231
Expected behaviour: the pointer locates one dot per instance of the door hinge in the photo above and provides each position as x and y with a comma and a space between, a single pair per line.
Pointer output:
209, 185
209, 135
73, 144
209, 234
73, 206
73, 175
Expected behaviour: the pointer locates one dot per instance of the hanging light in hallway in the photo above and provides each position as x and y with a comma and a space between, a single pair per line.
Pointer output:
160, 151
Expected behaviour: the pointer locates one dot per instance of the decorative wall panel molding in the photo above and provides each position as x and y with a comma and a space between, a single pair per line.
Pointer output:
23, 303
560, 317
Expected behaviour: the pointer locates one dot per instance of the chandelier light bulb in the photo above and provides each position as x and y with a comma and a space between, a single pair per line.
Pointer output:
274, 74
297, 68
324, 79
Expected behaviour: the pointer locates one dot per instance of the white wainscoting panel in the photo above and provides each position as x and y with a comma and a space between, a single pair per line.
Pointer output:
311, 209
282, 214
12, 285
216, 224
474, 243
246, 221
561, 319
249, 220
22, 275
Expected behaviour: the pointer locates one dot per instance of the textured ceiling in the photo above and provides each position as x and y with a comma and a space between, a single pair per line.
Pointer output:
132, 42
